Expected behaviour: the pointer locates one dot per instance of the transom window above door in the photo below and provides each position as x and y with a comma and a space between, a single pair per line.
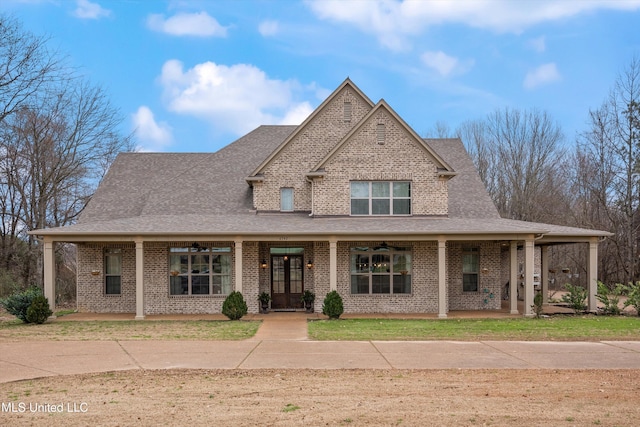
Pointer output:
380, 198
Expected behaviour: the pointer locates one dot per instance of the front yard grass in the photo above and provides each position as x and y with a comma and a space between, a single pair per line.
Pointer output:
556, 328
205, 330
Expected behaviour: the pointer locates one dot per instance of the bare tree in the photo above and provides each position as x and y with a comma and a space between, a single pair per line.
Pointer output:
26, 65
521, 161
58, 136
609, 180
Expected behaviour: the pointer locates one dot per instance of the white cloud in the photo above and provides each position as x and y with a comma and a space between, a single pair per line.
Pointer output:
153, 136
235, 98
297, 114
187, 24
444, 64
544, 74
393, 21
268, 28
88, 10
538, 44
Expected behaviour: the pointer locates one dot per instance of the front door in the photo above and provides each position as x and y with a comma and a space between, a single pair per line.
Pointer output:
286, 281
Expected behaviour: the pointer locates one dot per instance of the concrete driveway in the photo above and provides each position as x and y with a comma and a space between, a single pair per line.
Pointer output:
281, 343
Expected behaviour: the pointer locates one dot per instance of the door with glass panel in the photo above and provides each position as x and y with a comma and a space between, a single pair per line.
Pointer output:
286, 281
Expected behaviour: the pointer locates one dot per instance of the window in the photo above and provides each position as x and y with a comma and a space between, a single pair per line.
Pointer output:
200, 271
380, 270
286, 199
113, 271
470, 269
380, 198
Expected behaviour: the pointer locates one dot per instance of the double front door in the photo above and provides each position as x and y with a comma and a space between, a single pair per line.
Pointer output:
286, 281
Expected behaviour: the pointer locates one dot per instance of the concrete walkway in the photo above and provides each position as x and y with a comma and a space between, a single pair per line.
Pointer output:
281, 343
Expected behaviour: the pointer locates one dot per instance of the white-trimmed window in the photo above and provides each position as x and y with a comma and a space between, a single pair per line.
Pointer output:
380, 270
200, 271
470, 269
380, 198
286, 199
113, 271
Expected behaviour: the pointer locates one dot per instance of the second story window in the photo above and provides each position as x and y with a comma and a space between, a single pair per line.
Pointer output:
286, 199
380, 198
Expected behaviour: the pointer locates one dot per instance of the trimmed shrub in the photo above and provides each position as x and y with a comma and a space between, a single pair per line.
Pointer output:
537, 304
575, 298
332, 306
18, 302
39, 311
234, 306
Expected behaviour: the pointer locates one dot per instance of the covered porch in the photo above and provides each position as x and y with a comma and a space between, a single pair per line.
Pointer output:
323, 263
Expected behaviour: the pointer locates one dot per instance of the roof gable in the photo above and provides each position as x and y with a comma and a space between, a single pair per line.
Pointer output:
347, 84
443, 167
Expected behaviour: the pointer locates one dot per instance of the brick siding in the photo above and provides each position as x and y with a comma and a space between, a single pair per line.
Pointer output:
422, 299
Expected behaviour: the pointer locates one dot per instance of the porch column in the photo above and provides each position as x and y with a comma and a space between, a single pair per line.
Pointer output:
442, 279
592, 273
49, 266
513, 277
139, 279
528, 277
544, 273
333, 265
238, 256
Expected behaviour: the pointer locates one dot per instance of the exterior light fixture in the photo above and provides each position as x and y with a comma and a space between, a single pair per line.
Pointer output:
309, 264
264, 264
485, 270
95, 272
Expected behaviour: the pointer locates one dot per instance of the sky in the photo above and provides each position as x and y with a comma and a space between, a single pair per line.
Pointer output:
193, 76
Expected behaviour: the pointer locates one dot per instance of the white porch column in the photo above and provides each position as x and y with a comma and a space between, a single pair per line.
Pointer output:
333, 265
442, 279
238, 263
544, 273
592, 273
139, 279
528, 277
49, 266
513, 277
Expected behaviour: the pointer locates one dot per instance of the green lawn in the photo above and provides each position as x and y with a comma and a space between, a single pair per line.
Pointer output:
129, 330
558, 328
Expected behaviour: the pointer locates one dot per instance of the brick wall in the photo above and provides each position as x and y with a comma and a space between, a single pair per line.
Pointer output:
91, 295
362, 158
423, 298
489, 292
291, 165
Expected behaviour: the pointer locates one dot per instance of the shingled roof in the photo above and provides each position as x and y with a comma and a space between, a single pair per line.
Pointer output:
176, 194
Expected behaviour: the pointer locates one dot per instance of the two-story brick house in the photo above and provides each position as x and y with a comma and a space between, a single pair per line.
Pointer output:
351, 200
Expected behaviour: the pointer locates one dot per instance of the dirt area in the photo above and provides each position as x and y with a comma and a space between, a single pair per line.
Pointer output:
345, 397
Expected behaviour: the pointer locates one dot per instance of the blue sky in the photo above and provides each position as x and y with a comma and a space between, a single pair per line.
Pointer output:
193, 76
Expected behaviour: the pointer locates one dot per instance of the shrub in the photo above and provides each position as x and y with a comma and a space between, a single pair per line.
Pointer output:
537, 304
39, 311
18, 302
633, 296
575, 298
610, 298
332, 306
234, 306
